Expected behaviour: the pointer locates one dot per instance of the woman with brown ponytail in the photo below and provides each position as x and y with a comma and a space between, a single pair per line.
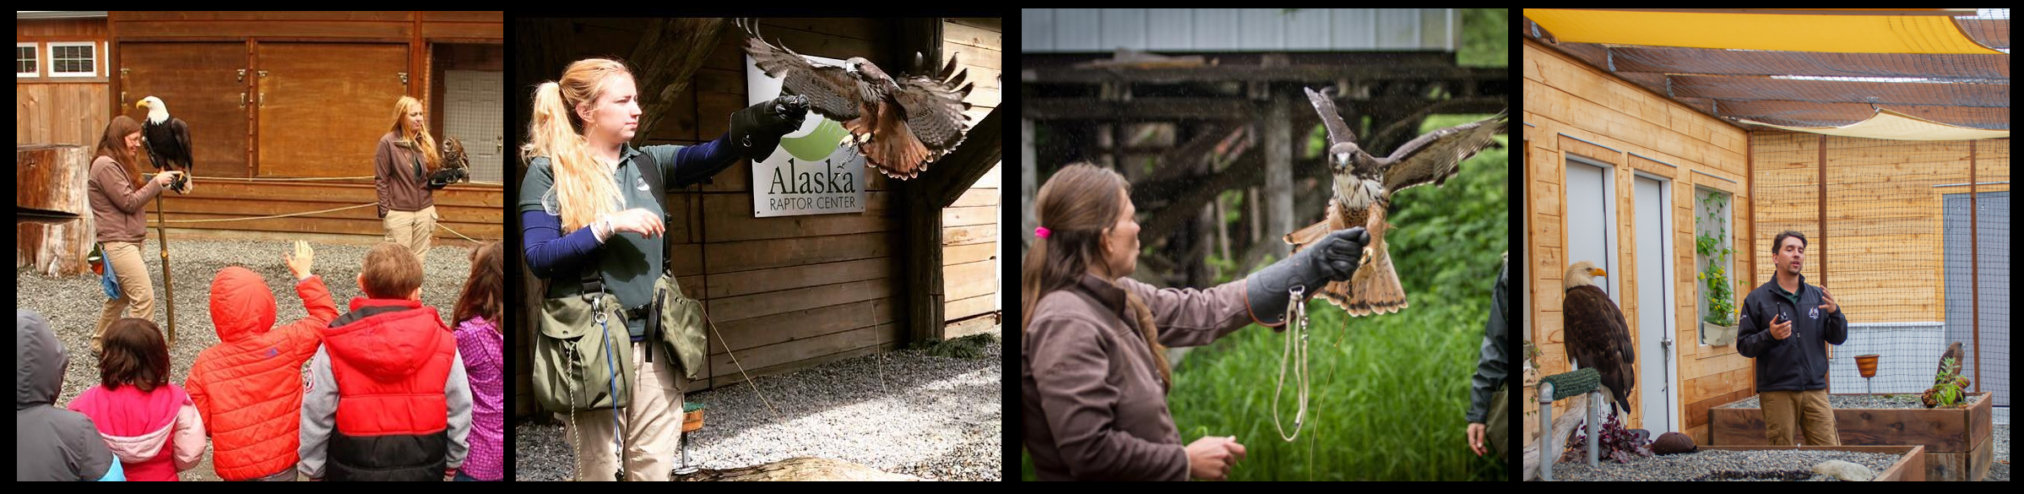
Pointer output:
1093, 370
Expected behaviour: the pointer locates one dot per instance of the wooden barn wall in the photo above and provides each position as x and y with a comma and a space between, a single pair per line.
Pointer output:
305, 119
1563, 98
970, 225
798, 291
60, 110
1883, 209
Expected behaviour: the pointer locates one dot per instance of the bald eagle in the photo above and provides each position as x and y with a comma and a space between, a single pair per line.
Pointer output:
1597, 337
167, 140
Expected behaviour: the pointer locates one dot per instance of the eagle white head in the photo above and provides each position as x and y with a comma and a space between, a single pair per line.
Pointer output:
1583, 273
157, 112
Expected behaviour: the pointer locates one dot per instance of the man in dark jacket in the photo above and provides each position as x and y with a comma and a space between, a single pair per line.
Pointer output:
1783, 324
1488, 398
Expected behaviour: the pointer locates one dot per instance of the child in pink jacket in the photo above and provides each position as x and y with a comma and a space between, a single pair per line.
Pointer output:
147, 421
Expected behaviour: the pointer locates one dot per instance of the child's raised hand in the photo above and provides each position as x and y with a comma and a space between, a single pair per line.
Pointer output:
301, 260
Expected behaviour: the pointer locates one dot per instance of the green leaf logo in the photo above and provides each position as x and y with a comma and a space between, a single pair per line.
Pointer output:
818, 143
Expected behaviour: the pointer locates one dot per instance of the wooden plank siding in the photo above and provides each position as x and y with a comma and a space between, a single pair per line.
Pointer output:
1883, 208
316, 93
1631, 130
970, 265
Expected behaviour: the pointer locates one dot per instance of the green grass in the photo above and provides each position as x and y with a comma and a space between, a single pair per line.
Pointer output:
1388, 392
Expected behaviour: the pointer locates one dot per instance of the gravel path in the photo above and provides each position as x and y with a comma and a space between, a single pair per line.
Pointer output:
933, 417
2000, 471
72, 304
1692, 466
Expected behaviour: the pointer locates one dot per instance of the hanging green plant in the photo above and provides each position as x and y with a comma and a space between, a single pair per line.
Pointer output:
1713, 246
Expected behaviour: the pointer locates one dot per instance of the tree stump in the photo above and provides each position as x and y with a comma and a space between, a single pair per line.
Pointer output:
53, 179
803, 468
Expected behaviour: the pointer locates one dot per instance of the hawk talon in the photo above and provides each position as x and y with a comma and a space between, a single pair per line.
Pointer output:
1368, 254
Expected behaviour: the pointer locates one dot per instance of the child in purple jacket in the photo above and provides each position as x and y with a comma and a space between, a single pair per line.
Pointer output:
480, 342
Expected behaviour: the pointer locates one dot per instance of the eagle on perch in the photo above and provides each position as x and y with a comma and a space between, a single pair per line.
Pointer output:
898, 124
167, 140
1596, 334
1363, 190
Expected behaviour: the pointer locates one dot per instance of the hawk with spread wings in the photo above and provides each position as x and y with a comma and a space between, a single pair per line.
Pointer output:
1363, 189
898, 124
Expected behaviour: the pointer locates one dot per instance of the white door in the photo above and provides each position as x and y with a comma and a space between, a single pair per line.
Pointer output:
1591, 220
473, 103
1655, 307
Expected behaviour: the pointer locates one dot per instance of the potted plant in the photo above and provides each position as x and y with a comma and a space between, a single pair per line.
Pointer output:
1718, 326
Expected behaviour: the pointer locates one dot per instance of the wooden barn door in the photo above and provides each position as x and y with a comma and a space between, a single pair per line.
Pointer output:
200, 84
322, 107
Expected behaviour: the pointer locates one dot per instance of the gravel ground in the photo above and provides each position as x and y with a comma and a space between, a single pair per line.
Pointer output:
1690, 466
1851, 401
933, 417
2000, 471
73, 304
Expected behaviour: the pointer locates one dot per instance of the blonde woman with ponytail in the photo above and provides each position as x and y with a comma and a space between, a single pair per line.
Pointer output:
401, 168
1093, 370
589, 207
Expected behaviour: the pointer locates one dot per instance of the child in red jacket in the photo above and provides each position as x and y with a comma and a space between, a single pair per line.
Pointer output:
387, 399
249, 386
137, 410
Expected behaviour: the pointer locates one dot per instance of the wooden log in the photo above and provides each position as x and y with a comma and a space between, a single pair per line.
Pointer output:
54, 179
803, 468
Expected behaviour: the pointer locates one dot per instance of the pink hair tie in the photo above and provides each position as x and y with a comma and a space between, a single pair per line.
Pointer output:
1040, 232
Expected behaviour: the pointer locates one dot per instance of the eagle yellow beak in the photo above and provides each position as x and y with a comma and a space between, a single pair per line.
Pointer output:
1597, 272
141, 104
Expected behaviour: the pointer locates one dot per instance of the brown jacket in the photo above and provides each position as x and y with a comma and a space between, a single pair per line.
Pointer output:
1093, 407
401, 188
118, 209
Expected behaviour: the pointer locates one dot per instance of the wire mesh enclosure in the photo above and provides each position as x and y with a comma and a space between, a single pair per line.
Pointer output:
1917, 257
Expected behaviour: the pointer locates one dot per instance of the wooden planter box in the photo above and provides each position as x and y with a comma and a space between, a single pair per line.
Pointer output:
1909, 467
1957, 440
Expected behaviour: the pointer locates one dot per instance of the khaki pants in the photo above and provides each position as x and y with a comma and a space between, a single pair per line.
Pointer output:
414, 229
1783, 410
137, 292
652, 426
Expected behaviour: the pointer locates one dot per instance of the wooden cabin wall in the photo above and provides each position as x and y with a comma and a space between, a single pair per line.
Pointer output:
315, 97
1636, 131
1883, 209
60, 110
970, 275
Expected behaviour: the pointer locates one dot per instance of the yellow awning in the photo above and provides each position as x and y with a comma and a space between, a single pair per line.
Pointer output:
1888, 124
1834, 33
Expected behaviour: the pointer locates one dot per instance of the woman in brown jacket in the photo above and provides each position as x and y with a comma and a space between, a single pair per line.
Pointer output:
1093, 370
401, 168
119, 214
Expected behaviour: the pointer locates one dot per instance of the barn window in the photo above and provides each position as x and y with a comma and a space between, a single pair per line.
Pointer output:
24, 60
73, 59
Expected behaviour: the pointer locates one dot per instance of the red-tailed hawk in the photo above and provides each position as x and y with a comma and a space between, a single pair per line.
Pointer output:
1596, 335
899, 125
1364, 185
